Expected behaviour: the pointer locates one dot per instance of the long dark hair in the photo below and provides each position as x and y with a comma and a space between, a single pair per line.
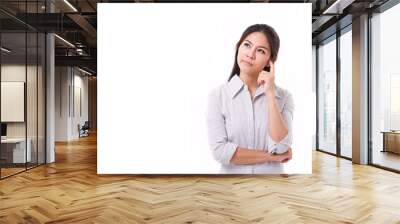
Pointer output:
272, 37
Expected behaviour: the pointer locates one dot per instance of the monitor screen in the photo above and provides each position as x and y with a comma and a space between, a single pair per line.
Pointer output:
3, 129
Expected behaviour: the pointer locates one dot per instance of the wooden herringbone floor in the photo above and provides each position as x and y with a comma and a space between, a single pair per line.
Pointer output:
70, 191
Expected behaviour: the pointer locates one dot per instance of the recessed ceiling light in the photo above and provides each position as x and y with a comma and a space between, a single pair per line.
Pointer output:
337, 7
5, 49
64, 40
70, 5
84, 71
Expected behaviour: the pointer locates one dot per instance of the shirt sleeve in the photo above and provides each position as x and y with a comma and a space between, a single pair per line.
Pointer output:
286, 142
221, 148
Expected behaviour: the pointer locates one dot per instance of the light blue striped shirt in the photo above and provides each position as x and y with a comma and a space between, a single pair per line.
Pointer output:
235, 120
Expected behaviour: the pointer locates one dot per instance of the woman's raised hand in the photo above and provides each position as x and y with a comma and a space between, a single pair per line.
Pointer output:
267, 79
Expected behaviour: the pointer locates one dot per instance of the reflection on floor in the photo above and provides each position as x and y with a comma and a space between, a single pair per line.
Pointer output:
386, 159
10, 169
347, 152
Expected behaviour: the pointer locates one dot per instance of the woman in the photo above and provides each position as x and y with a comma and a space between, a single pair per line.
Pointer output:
249, 118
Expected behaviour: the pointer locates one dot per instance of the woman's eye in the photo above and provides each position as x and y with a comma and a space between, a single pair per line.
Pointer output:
246, 45
261, 51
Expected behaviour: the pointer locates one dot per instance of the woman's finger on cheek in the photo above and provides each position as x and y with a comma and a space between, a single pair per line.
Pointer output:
272, 67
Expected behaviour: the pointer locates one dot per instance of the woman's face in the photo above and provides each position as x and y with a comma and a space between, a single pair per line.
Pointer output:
254, 53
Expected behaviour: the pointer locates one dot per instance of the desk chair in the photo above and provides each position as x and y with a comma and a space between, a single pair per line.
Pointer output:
84, 130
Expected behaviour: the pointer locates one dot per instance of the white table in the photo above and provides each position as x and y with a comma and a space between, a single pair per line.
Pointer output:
19, 149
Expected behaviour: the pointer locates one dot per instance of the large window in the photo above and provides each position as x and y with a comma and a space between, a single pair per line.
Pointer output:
329, 111
385, 88
346, 92
327, 96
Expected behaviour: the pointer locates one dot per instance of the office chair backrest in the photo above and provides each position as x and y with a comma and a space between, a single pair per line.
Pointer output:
86, 125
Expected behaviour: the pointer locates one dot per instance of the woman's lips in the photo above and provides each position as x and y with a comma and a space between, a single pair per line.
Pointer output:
248, 63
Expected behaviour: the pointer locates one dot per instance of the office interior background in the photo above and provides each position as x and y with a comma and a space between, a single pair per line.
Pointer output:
48, 81
48, 111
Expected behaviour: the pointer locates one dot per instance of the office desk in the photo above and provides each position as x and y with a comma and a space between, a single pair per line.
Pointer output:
391, 141
13, 150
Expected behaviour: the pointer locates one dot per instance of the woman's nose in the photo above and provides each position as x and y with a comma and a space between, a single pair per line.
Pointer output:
251, 53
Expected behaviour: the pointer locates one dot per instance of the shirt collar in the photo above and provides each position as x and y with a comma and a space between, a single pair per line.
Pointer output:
236, 85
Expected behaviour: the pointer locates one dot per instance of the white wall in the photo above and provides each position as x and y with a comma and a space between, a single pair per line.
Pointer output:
69, 82
80, 83
62, 80
15, 72
34, 124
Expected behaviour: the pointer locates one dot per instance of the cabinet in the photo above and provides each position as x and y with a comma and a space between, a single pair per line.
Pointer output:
391, 141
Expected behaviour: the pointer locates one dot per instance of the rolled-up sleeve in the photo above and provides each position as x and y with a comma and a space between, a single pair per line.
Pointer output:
221, 148
286, 142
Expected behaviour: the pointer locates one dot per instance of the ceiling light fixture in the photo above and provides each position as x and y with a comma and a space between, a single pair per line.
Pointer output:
5, 49
64, 40
337, 7
70, 5
84, 71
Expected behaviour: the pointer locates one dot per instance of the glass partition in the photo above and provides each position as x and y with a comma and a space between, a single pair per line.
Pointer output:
385, 89
22, 77
41, 109
327, 96
346, 93
32, 95
13, 108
